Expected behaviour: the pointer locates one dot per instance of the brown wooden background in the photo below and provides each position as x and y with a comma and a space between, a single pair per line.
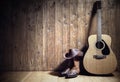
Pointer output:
34, 34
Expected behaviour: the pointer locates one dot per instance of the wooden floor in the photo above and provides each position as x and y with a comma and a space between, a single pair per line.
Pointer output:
47, 77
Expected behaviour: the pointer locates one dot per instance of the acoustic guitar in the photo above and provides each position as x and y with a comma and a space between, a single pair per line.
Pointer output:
99, 58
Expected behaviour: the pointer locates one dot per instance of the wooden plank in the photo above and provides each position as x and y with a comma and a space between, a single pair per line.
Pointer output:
38, 65
73, 23
81, 21
19, 49
31, 30
22, 41
105, 18
50, 34
66, 26
45, 24
58, 31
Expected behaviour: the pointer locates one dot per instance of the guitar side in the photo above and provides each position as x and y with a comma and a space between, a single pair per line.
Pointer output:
99, 66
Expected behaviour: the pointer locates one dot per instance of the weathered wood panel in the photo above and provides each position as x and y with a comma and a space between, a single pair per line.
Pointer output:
50, 34
44, 36
58, 31
73, 24
65, 27
116, 42
35, 34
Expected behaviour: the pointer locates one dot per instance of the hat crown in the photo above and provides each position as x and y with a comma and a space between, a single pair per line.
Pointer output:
75, 51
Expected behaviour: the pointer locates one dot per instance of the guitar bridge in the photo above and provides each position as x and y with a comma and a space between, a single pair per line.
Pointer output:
99, 56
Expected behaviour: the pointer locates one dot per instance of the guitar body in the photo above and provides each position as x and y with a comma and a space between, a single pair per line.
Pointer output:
98, 65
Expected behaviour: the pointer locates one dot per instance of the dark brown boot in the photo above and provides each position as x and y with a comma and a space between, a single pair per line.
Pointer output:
74, 71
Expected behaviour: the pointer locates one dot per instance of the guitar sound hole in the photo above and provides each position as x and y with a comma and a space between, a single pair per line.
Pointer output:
99, 45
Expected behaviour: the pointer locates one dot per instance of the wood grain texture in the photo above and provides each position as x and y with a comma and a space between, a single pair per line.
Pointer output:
50, 34
45, 16
66, 26
58, 31
73, 24
35, 34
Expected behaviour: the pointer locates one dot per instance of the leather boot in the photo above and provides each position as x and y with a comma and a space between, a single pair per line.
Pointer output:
74, 72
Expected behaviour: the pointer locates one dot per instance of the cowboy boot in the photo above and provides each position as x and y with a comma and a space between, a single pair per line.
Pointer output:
69, 65
74, 71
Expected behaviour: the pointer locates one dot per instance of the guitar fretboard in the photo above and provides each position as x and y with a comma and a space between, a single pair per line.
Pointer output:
99, 32
99, 26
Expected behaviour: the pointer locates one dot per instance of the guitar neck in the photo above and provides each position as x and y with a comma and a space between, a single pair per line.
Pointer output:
99, 32
99, 25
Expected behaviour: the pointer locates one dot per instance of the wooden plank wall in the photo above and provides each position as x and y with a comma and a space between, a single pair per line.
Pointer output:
35, 34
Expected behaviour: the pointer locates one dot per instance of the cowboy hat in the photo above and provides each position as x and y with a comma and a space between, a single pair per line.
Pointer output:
72, 53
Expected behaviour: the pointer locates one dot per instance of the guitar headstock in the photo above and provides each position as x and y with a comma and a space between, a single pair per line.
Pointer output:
98, 4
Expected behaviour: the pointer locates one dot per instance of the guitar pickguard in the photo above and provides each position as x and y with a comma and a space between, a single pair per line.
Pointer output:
105, 50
